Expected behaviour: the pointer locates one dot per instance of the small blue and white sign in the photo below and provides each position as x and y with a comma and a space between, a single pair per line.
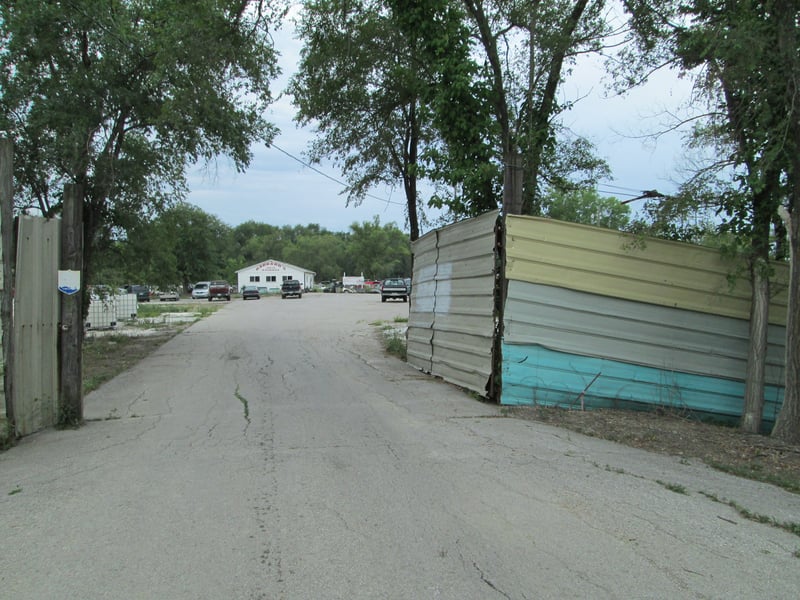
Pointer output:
69, 282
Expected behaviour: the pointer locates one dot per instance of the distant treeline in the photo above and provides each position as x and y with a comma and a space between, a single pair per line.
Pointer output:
185, 244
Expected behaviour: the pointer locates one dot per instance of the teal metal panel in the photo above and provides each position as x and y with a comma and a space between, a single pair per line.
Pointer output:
533, 375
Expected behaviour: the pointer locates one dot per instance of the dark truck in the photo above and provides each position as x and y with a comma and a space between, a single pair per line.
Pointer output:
291, 287
142, 292
394, 289
219, 289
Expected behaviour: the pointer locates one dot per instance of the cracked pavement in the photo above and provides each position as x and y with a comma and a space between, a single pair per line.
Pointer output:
273, 451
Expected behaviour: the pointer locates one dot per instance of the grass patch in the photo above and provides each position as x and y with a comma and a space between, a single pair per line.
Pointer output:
393, 341
616, 470
150, 310
790, 526
757, 473
6, 435
673, 487
396, 345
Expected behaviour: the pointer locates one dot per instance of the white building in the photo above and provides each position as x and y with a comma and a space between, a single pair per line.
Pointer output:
270, 274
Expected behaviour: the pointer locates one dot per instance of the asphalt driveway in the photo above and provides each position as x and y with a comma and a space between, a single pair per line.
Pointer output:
273, 451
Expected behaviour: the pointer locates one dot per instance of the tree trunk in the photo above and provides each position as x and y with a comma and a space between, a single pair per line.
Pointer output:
512, 184
787, 425
409, 173
757, 352
539, 124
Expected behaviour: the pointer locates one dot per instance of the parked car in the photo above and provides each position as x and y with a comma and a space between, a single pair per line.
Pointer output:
171, 295
200, 290
142, 292
394, 289
250, 292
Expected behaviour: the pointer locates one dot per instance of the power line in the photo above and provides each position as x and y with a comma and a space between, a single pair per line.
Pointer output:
632, 192
619, 187
337, 181
615, 193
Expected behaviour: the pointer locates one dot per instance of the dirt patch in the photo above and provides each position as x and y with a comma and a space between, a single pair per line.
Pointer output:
726, 448
106, 356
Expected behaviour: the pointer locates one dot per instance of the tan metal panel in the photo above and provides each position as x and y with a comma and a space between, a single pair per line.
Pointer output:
36, 324
609, 263
451, 322
635, 333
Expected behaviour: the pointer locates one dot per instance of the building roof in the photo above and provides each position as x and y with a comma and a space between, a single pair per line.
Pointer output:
275, 265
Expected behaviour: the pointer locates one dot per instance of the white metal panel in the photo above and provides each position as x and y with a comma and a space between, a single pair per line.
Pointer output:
634, 332
451, 322
102, 313
126, 307
36, 324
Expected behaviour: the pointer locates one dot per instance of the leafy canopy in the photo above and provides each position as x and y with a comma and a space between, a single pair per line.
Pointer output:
121, 96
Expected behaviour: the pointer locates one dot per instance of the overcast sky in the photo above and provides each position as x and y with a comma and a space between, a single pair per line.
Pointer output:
279, 190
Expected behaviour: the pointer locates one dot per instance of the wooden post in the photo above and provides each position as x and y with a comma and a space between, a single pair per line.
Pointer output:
7, 270
71, 333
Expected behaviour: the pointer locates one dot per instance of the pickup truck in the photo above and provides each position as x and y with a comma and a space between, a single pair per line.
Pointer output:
219, 289
291, 287
394, 289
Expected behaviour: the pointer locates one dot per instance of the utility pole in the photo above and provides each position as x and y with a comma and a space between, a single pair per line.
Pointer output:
71, 331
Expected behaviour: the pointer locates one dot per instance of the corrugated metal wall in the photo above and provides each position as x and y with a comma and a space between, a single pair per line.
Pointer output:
659, 323
36, 324
452, 322
609, 263
557, 341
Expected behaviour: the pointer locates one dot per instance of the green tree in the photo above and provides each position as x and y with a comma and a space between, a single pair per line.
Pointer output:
587, 207
180, 246
378, 251
745, 56
121, 96
358, 83
691, 215
462, 161
198, 242
527, 47
322, 252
